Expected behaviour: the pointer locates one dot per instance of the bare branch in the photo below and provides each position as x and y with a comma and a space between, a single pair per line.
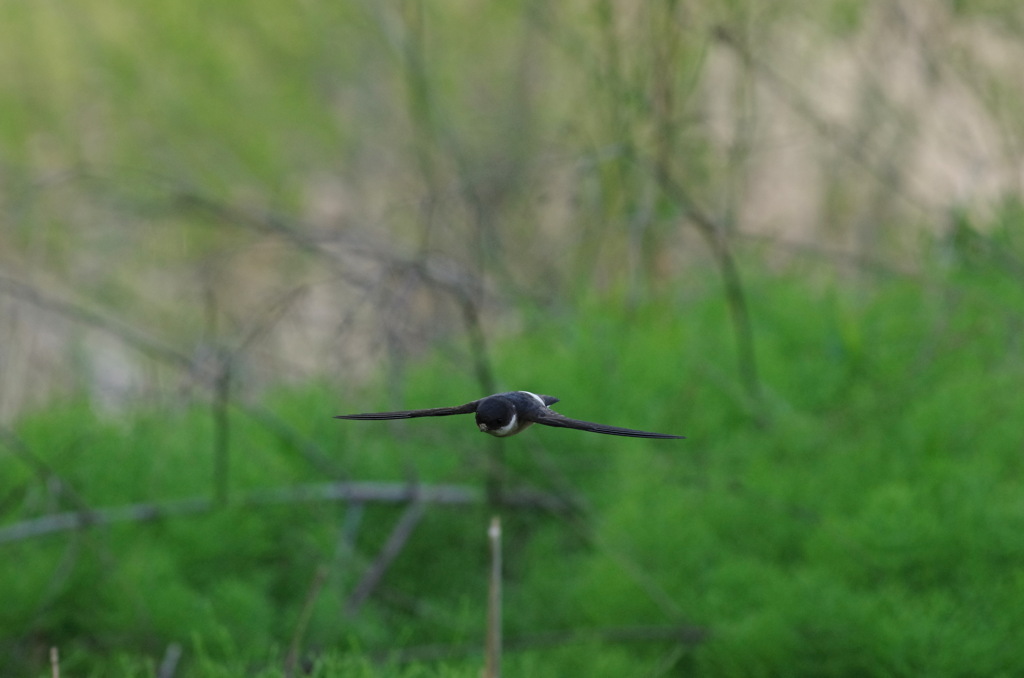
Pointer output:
392, 547
354, 492
128, 334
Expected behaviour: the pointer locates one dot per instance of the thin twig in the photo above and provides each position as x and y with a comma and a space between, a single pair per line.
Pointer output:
735, 294
392, 547
830, 132
44, 473
315, 586
168, 355
126, 333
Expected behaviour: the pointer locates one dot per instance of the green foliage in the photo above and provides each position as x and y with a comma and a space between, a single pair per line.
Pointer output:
193, 168
871, 527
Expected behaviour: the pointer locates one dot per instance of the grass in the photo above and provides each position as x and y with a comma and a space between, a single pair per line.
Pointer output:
872, 527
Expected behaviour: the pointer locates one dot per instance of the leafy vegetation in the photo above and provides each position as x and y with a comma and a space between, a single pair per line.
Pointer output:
871, 527
791, 232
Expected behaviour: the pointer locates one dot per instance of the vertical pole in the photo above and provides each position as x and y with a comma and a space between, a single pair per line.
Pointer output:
493, 667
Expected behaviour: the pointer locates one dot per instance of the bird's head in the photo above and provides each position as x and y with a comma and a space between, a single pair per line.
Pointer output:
496, 416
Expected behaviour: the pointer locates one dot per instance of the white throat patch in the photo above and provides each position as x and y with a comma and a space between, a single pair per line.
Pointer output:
506, 430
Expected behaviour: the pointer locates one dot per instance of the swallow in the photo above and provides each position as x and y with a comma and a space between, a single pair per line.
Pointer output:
506, 414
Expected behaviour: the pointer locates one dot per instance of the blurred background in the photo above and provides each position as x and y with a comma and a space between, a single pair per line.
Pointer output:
790, 232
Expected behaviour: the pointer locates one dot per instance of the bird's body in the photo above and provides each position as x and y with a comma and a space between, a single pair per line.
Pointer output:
506, 414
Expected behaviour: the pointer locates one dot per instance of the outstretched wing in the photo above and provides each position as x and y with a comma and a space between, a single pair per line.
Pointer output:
409, 414
557, 420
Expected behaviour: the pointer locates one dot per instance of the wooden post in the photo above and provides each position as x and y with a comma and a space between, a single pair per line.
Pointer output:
493, 667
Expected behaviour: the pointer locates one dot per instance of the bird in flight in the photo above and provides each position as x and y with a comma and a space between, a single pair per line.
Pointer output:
506, 414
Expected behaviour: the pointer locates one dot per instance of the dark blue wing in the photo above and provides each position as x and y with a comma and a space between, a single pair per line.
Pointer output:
557, 420
410, 414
